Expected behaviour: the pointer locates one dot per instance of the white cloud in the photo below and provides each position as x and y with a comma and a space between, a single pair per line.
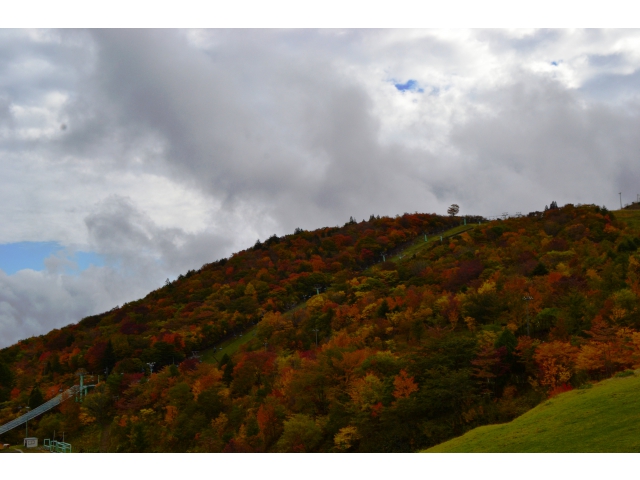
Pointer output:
189, 145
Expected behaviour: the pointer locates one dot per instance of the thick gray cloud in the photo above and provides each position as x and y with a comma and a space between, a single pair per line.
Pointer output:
543, 143
131, 242
165, 149
249, 125
32, 303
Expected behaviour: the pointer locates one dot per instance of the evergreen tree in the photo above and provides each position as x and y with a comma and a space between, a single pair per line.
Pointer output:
508, 340
539, 270
35, 398
109, 359
6, 382
383, 309
227, 376
224, 360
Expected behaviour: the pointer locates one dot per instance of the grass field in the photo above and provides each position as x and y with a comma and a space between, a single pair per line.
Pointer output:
420, 243
604, 418
22, 450
630, 217
229, 347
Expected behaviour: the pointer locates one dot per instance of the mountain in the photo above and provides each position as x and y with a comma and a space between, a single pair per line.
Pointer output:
386, 335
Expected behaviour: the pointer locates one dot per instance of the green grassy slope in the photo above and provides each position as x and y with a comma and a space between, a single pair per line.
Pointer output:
605, 418
20, 449
229, 347
630, 217
420, 244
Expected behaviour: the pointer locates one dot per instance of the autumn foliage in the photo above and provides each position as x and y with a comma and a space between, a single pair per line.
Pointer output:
410, 351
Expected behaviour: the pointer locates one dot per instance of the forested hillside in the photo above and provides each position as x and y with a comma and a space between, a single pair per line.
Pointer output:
347, 352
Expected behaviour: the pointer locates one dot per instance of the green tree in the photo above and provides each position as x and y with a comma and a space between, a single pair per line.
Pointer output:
227, 376
97, 404
453, 210
508, 340
383, 309
539, 270
6, 382
109, 359
138, 438
301, 434
35, 398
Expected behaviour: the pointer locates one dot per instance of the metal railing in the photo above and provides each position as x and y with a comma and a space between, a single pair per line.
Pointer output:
54, 402
56, 447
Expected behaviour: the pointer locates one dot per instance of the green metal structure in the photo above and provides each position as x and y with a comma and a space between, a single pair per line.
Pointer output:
56, 447
82, 388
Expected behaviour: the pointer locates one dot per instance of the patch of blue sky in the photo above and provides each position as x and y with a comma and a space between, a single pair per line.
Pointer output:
31, 255
86, 259
410, 85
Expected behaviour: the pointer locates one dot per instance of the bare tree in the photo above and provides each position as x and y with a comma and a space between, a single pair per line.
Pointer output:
453, 210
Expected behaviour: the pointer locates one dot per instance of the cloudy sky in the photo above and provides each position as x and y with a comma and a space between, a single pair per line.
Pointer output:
130, 156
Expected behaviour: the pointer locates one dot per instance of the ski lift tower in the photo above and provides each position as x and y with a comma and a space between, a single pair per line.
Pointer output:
83, 388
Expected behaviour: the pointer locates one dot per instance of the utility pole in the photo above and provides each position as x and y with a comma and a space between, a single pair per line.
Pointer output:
527, 298
26, 432
620, 200
82, 390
